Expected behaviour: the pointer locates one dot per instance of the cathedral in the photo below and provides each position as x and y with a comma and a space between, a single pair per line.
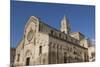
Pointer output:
43, 44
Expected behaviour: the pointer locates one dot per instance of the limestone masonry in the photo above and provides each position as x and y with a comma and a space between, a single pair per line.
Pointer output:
43, 44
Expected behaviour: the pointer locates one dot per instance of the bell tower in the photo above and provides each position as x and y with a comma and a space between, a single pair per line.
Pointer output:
65, 27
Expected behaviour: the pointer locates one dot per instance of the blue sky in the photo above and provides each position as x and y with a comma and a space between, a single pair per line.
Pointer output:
81, 17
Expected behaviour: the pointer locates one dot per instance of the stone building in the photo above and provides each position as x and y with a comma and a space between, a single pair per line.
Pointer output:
91, 51
43, 44
12, 56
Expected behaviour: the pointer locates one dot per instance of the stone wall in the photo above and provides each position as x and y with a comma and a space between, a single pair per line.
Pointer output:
64, 52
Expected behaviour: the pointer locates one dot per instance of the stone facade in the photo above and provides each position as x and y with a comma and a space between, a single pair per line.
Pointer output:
43, 44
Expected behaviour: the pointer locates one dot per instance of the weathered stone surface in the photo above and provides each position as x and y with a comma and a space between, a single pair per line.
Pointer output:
48, 46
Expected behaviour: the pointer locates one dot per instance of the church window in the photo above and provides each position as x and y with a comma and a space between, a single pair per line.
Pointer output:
60, 35
76, 52
18, 57
52, 32
40, 50
65, 58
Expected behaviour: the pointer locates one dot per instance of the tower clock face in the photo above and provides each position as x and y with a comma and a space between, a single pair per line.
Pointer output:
30, 35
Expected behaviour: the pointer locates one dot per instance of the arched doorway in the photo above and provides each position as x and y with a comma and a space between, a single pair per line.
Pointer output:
27, 61
28, 57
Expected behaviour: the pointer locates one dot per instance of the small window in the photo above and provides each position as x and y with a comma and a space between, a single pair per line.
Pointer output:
40, 50
51, 32
60, 35
18, 57
75, 52
65, 58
